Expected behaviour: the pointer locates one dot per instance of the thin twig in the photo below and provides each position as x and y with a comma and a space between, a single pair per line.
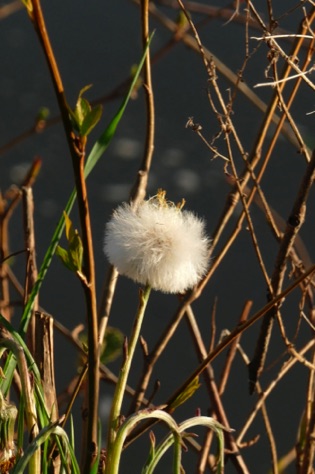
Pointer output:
214, 395
6, 211
305, 446
232, 350
295, 221
270, 435
31, 266
267, 391
139, 190
222, 345
235, 333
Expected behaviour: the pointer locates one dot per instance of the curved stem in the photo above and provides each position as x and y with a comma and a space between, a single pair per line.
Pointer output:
123, 376
130, 424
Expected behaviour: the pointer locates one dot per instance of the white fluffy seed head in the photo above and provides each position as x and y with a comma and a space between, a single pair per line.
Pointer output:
158, 244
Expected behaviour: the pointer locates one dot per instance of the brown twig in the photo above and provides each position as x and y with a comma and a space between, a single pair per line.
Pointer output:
235, 333
204, 455
219, 348
256, 153
267, 422
267, 391
12, 7
44, 357
295, 221
8, 204
5, 309
233, 78
305, 447
232, 350
77, 151
31, 266
139, 190
214, 394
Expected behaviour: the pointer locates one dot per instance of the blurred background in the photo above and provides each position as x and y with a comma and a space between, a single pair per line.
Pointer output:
98, 43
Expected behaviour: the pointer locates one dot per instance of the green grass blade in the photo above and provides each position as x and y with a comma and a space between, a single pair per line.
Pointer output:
10, 365
104, 140
45, 266
5, 382
44, 435
72, 437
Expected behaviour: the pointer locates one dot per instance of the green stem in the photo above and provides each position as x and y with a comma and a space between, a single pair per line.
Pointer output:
123, 377
126, 428
177, 457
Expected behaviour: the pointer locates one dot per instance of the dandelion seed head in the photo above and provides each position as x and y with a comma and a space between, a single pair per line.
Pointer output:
158, 244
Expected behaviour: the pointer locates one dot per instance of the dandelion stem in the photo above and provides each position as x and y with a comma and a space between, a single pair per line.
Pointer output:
123, 375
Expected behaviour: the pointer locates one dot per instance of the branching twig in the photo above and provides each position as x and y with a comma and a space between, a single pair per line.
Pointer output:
222, 345
295, 221
265, 394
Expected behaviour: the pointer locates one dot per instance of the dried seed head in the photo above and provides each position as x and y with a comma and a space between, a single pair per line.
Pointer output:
158, 244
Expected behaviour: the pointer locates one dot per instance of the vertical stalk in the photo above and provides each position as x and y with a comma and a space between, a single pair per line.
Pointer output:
123, 377
31, 267
139, 189
92, 320
77, 151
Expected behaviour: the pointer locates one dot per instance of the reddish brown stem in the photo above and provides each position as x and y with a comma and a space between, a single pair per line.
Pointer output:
77, 152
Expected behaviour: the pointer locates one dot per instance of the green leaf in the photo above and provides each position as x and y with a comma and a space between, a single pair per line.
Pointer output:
186, 394
91, 119
73, 257
76, 251
64, 256
43, 114
84, 89
73, 118
28, 4
112, 345
82, 109
68, 227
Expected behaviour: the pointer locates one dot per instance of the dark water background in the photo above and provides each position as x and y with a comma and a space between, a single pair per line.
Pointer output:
97, 42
